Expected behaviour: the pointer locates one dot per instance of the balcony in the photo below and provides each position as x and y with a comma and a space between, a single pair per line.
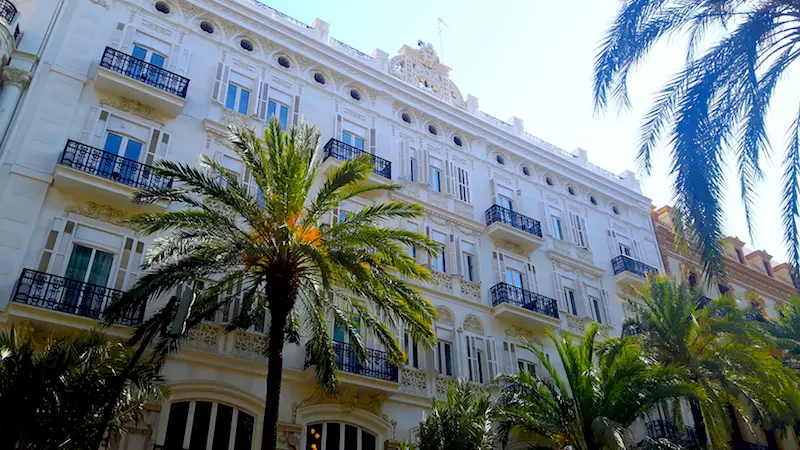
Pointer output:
123, 75
628, 271
507, 225
66, 296
336, 150
523, 307
630, 329
376, 367
9, 24
83, 169
664, 429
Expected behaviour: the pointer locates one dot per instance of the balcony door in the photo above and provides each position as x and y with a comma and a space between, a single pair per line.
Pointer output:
86, 276
149, 74
514, 278
353, 139
345, 354
116, 168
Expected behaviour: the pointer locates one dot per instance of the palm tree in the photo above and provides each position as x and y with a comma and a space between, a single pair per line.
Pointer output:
462, 422
785, 328
722, 352
605, 389
292, 266
54, 392
713, 111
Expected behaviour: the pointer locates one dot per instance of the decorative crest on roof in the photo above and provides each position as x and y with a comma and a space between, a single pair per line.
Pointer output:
422, 68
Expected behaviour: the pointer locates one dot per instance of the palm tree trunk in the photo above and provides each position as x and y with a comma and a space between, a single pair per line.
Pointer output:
277, 328
737, 440
699, 424
772, 439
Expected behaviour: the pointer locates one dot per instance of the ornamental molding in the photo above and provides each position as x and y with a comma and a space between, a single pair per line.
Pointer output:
422, 69
523, 335
473, 325
445, 316
414, 381
133, 107
103, 3
157, 27
250, 347
511, 247
16, 77
471, 290
100, 212
566, 263
282, 82
348, 397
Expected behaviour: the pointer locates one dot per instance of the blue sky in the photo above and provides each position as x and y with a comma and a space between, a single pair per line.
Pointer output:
533, 59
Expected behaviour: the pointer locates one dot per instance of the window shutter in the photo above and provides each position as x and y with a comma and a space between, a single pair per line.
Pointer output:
613, 245
491, 357
174, 57
493, 190
127, 39
130, 262
159, 143
92, 117
509, 358
583, 299
584, 231
452, 263
459, 269
296, 114
606, 307
519, 207
472, 357
424, 257
464, 192
56, 246
221, 83
263, 98
372, 141
533, 285
559, 291
424, 164
499, 266
405, 164
545, 222
183, 62
116, 38
572, 231
637, 251
449, 178
337, 133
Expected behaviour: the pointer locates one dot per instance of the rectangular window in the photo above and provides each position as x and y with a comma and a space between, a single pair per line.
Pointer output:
439, 263
412, 351
740, 256
505, 202
444, 358
436, 179
411, 249
558, 231
279, 110
237, 98
352, 139
625, 250
469, 269
571, 304
514, 277
526, 367
481, 363
596, 309
412, 169
462, 178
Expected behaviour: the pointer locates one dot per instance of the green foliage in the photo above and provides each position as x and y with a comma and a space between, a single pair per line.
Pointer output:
713, 112
462, 422
785, 329
606, 387
53, 395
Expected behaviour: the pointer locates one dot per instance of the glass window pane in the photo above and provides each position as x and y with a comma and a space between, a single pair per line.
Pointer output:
230, 99
332, 435
350, 438
78, 263
113, 143
314, 437
244, 432
284, 117
222, 429
346, 138
358, 143
367, 441
157, 60
244, 100
271, 109
176, 425
200, 425
139, 52
133, 150
448, 360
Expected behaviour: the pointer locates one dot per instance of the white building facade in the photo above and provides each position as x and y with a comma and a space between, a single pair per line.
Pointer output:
535, 237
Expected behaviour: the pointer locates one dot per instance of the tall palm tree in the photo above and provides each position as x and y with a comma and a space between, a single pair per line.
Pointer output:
713, 112
605, 389
54, 392
462, 422
291, 265
785, 328
722, 352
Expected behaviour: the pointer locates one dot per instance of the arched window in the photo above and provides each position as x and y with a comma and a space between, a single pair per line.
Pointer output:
232, 427
339, 436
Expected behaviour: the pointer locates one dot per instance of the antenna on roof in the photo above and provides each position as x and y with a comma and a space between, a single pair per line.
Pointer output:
439, 24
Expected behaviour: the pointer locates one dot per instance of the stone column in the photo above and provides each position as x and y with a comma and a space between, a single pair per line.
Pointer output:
15, 81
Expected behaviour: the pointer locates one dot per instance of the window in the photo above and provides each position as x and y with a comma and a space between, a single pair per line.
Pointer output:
237, 98
571, 303
457, 141
526, 171
162, 7
505, 202
355, 95
412, 351
338, 436
284, 62
89, 265
439, 263
549, 181
526, 367
767, 268
514, 278
625, 250
432, 130
207, 27
247, 45
139, 70
444, 358
556, 224
596, 308
412, 164
500, 160
462, 178
469, 267
206, 428
123, 170
740, 256
435, 174
593, 200
352, 139
571, 190
692, 279
723, 290
319, 78
615, 209
411, 249
279, 110
405, 117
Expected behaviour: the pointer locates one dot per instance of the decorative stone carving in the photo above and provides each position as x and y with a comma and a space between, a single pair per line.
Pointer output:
585, 255
473, 324
288, 436
348, 397
421, 68
353, 113
464, 210
156, 27
511, 247
604, 331
250, 347
445, 316
231, 117
281, 82
437, 199
522, 335
443, 383
415, 381
16, 77
133, 107
442, 280
99, 212
575, 324
204, 337
103, 3
471, 290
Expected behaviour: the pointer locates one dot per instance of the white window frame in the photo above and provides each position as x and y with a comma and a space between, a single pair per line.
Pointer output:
441, 356
237, 98
525, 365
571, 300
462, 183
415, 356
469, 266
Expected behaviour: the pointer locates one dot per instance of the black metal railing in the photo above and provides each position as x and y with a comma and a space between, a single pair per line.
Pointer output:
377, 364
624, 263
631, 329
7, 11
506, 293
345, 152
504, 215
751, 446
664, 429
145, 72
70, 296
114, 167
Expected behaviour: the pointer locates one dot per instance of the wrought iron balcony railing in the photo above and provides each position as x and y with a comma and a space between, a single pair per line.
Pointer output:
664, 429
504, 215
344, 152
377, 364
506, 293
624, 263
631, 329
114, 167
145, 72
7, 11
70, 296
